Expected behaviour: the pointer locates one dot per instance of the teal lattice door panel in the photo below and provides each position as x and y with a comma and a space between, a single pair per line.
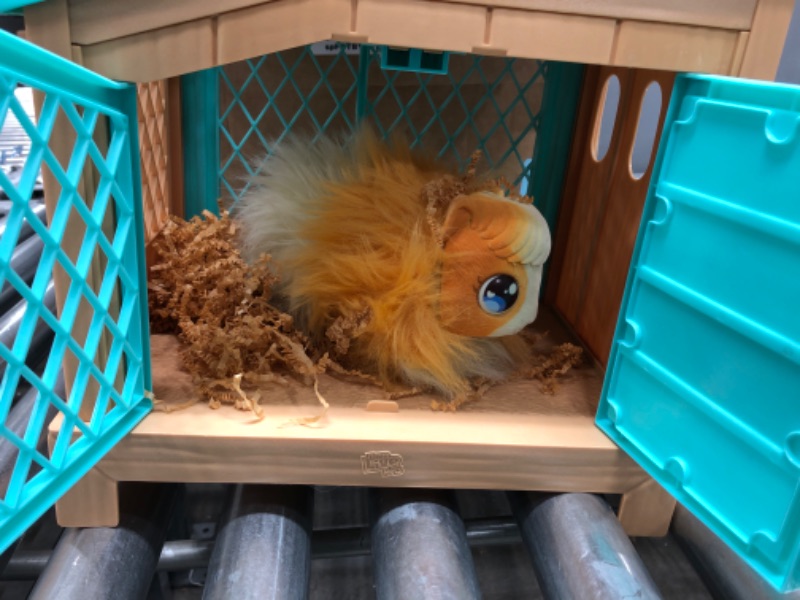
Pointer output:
90, 242
703, 384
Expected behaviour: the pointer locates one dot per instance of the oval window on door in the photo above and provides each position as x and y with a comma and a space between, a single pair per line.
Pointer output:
606, 118
646, 129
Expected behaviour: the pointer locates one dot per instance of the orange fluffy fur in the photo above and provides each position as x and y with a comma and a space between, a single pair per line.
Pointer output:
346, 226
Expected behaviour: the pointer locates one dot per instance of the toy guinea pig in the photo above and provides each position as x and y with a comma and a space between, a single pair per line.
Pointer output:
430, 271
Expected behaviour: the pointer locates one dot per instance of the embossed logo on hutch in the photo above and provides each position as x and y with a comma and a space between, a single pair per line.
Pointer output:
384, 462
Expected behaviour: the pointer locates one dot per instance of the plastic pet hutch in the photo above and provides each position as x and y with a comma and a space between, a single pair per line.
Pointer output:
674, 256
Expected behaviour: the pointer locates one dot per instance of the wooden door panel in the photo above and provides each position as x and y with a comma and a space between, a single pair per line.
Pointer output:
619, 224
601, 209
593, 178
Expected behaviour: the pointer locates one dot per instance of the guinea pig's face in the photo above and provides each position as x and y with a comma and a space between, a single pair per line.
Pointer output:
492, 267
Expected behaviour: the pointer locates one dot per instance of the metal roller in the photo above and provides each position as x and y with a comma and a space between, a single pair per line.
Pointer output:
6, 556
17, 422
105, 562
25, 231
723, 572
420, 548
264, 547
178, 555
24, 262
42, 334
579, 549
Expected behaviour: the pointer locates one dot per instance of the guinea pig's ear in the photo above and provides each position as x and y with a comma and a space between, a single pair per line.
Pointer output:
460, 215
513, 231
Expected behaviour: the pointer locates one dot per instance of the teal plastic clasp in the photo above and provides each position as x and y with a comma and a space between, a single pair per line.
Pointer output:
414, 60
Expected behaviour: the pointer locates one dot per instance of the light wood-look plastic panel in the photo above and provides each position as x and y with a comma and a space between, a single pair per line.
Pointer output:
552, 36
94, 21
646, 510
275, 26
153, 149
515, 437
156, 54
675, 47
97, 495
137, 41
420, 24
725, 14
765, 42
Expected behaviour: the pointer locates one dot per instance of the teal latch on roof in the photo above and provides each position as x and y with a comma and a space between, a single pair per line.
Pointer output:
414, 60
703, 384
111, 357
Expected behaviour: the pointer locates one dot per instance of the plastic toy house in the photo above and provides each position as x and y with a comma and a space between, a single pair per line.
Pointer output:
687, 253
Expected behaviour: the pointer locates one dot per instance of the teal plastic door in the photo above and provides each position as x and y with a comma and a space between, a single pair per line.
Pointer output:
102, 224
703, 382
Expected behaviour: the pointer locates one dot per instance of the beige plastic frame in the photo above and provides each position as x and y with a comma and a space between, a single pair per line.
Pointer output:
149, 40
152, 39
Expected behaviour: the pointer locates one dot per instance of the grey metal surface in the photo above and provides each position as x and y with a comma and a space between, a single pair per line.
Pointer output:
671, 570
491, 532
24, 262
26, 564
357, 541
119, 563
177, 555
420, 548
5, 558
42, 335
17, 422
342, 568
579, 549
724, 573
264, 547
43, 535
25, 231
181, 555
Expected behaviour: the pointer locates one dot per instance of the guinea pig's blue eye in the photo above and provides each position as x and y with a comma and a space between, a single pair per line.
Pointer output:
498, 294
